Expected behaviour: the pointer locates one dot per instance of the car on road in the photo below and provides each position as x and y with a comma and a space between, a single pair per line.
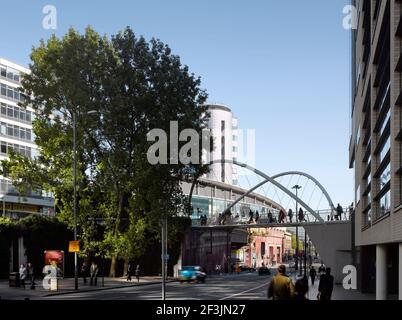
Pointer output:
264, 271
192, 273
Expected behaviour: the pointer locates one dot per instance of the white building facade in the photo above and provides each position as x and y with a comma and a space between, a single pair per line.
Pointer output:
224, 128
16, 134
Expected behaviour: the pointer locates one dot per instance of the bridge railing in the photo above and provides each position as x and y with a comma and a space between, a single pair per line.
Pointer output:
327, 215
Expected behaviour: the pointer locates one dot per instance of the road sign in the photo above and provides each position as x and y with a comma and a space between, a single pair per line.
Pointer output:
74, 246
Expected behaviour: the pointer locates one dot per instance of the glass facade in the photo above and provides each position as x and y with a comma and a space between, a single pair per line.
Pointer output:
212, 207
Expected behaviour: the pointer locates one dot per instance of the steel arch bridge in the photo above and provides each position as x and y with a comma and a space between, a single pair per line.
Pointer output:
272, 180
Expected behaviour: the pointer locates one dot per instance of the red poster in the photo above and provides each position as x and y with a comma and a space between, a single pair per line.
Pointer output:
55, 258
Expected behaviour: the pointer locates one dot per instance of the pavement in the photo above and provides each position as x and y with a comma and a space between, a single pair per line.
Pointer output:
66, 286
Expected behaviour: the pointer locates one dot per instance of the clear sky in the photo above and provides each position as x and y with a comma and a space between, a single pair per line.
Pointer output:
282, 66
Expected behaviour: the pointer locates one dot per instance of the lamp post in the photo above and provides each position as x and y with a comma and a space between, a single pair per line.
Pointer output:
75, 194
75, 198
297, 187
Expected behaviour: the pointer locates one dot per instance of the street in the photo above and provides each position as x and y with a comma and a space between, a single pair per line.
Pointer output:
248, 286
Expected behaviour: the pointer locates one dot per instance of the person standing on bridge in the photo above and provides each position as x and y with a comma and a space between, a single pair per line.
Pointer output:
282, 216
301, 215
257, 217
339, 212
251, 215
290, 215
281, 286
270, 217
351, 210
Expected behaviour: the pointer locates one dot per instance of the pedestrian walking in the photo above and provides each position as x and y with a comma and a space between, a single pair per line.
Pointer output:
301, 289
23, 275
313, 274
290, 215
326, 286
281, 286
138, 273
84, 272
129, 271
31, 276
94, 274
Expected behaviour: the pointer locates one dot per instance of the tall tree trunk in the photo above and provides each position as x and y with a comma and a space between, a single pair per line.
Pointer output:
112, 272
125, 269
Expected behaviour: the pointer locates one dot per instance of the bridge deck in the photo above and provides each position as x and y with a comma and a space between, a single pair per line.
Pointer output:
269, 225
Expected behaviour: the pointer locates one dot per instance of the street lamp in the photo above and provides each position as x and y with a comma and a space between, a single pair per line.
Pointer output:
75, 194
297, 188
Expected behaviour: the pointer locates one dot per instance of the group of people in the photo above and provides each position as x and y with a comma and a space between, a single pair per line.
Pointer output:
281, 286
26, 273
93, 272
252, 218
131, 272
340, 212
203, 220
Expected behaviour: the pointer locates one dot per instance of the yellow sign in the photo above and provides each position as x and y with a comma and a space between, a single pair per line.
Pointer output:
74, 246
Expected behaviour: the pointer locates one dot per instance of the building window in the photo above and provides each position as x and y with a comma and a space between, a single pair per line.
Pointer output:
385, 149
15, 131
357, 195
385, 203
9, 73
385, 176
358, 136
11, 93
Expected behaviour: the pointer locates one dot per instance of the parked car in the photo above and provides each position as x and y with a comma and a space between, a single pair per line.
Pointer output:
264, 271
247, 269
192, 273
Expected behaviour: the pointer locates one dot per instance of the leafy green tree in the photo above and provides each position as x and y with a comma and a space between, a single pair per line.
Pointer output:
118, 90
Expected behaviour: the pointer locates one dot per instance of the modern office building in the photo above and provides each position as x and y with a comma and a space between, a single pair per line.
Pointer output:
376, 144
16, 134
224, 128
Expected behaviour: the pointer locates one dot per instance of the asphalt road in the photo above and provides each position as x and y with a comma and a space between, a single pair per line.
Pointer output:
247, 286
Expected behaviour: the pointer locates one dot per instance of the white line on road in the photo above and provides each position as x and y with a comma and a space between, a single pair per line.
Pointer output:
238, 294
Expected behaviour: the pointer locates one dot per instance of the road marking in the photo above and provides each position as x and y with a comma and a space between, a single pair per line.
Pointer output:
238, 294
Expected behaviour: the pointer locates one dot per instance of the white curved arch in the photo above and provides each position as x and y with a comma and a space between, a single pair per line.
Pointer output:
268, 179
312, 179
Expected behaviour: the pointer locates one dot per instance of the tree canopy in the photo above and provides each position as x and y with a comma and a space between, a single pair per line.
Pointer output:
118, 89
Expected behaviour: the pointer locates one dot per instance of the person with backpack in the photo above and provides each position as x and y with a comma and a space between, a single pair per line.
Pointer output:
281, 286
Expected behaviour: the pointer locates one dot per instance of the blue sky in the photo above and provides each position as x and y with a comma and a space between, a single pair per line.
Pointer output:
282, 66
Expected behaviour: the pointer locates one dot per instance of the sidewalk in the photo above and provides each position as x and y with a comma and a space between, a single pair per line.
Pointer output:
66, 286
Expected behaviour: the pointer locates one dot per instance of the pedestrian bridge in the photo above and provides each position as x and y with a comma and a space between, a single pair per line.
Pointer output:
264, 222
329, 231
